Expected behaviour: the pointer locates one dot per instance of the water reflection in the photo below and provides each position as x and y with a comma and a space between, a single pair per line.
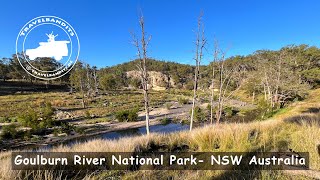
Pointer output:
160, 128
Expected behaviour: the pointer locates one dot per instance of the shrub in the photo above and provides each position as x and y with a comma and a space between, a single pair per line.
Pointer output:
127, 115
30, 119
209, 108
79, 130
27, 135
228, 111
33, 120
189, 85
67, 127
9, 132
46, 123
198, 115
87, 114
168, 105
5, 119
55, 132
47, 111
133, 115
135, 82
183, 100
122, 115
165, 121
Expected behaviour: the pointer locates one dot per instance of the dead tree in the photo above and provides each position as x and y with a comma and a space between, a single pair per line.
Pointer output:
95, 79
224, 80
226, 76
78, 81
142, 67
82, 84
88, 82
215, 58
200, 45
221, 85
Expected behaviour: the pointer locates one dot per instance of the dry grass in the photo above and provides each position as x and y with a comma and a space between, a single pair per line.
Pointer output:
13, 105
276, 134
267, 136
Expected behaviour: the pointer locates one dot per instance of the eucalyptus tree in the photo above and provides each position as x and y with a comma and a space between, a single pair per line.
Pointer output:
142, 46
200, 45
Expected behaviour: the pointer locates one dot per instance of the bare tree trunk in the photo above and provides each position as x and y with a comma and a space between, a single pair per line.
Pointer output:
212, 96
89, 87
268, 88
145, 74
276, 96
265, 91
225, 79
198, 58
82, 101
95, 78
82, 93
195, 86
143, 68
216, 51
253, 96
146, 105
219, 113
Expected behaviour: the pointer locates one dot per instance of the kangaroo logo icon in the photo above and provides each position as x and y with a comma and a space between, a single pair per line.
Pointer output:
52, 48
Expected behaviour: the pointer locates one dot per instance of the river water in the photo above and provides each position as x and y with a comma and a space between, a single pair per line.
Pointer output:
160, 128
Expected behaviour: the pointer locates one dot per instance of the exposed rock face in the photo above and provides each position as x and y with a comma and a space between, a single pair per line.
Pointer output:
157, 80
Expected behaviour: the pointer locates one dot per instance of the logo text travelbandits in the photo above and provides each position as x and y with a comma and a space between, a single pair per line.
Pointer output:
36, 22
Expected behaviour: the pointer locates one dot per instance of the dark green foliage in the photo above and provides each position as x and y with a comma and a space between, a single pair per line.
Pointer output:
79, 130
199, 114
266, 109
183, 100
133, 115
230, 111
108, 82
29, 119
165, 121
46, 123
47, 111
9, 132
5, 119
135, 82
301, 60
67, 127
127, 115
38, 121
87, 114
312, 75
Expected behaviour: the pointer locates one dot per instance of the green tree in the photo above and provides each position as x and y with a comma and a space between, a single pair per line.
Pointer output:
78, 81
108, 82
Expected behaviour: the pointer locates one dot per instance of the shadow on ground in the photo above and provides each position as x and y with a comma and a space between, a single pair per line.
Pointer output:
309, 117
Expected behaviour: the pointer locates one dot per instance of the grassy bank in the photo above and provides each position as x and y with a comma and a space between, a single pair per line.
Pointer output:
297, 128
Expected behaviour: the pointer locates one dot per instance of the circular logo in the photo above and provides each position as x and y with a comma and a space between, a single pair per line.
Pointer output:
47, 47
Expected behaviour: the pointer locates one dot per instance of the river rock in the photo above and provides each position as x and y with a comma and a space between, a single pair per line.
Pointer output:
63, 115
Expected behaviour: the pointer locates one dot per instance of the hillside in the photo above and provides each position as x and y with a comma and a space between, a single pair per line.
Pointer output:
299, 60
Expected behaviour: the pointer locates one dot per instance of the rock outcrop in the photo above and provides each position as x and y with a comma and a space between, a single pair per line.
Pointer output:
157, 80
